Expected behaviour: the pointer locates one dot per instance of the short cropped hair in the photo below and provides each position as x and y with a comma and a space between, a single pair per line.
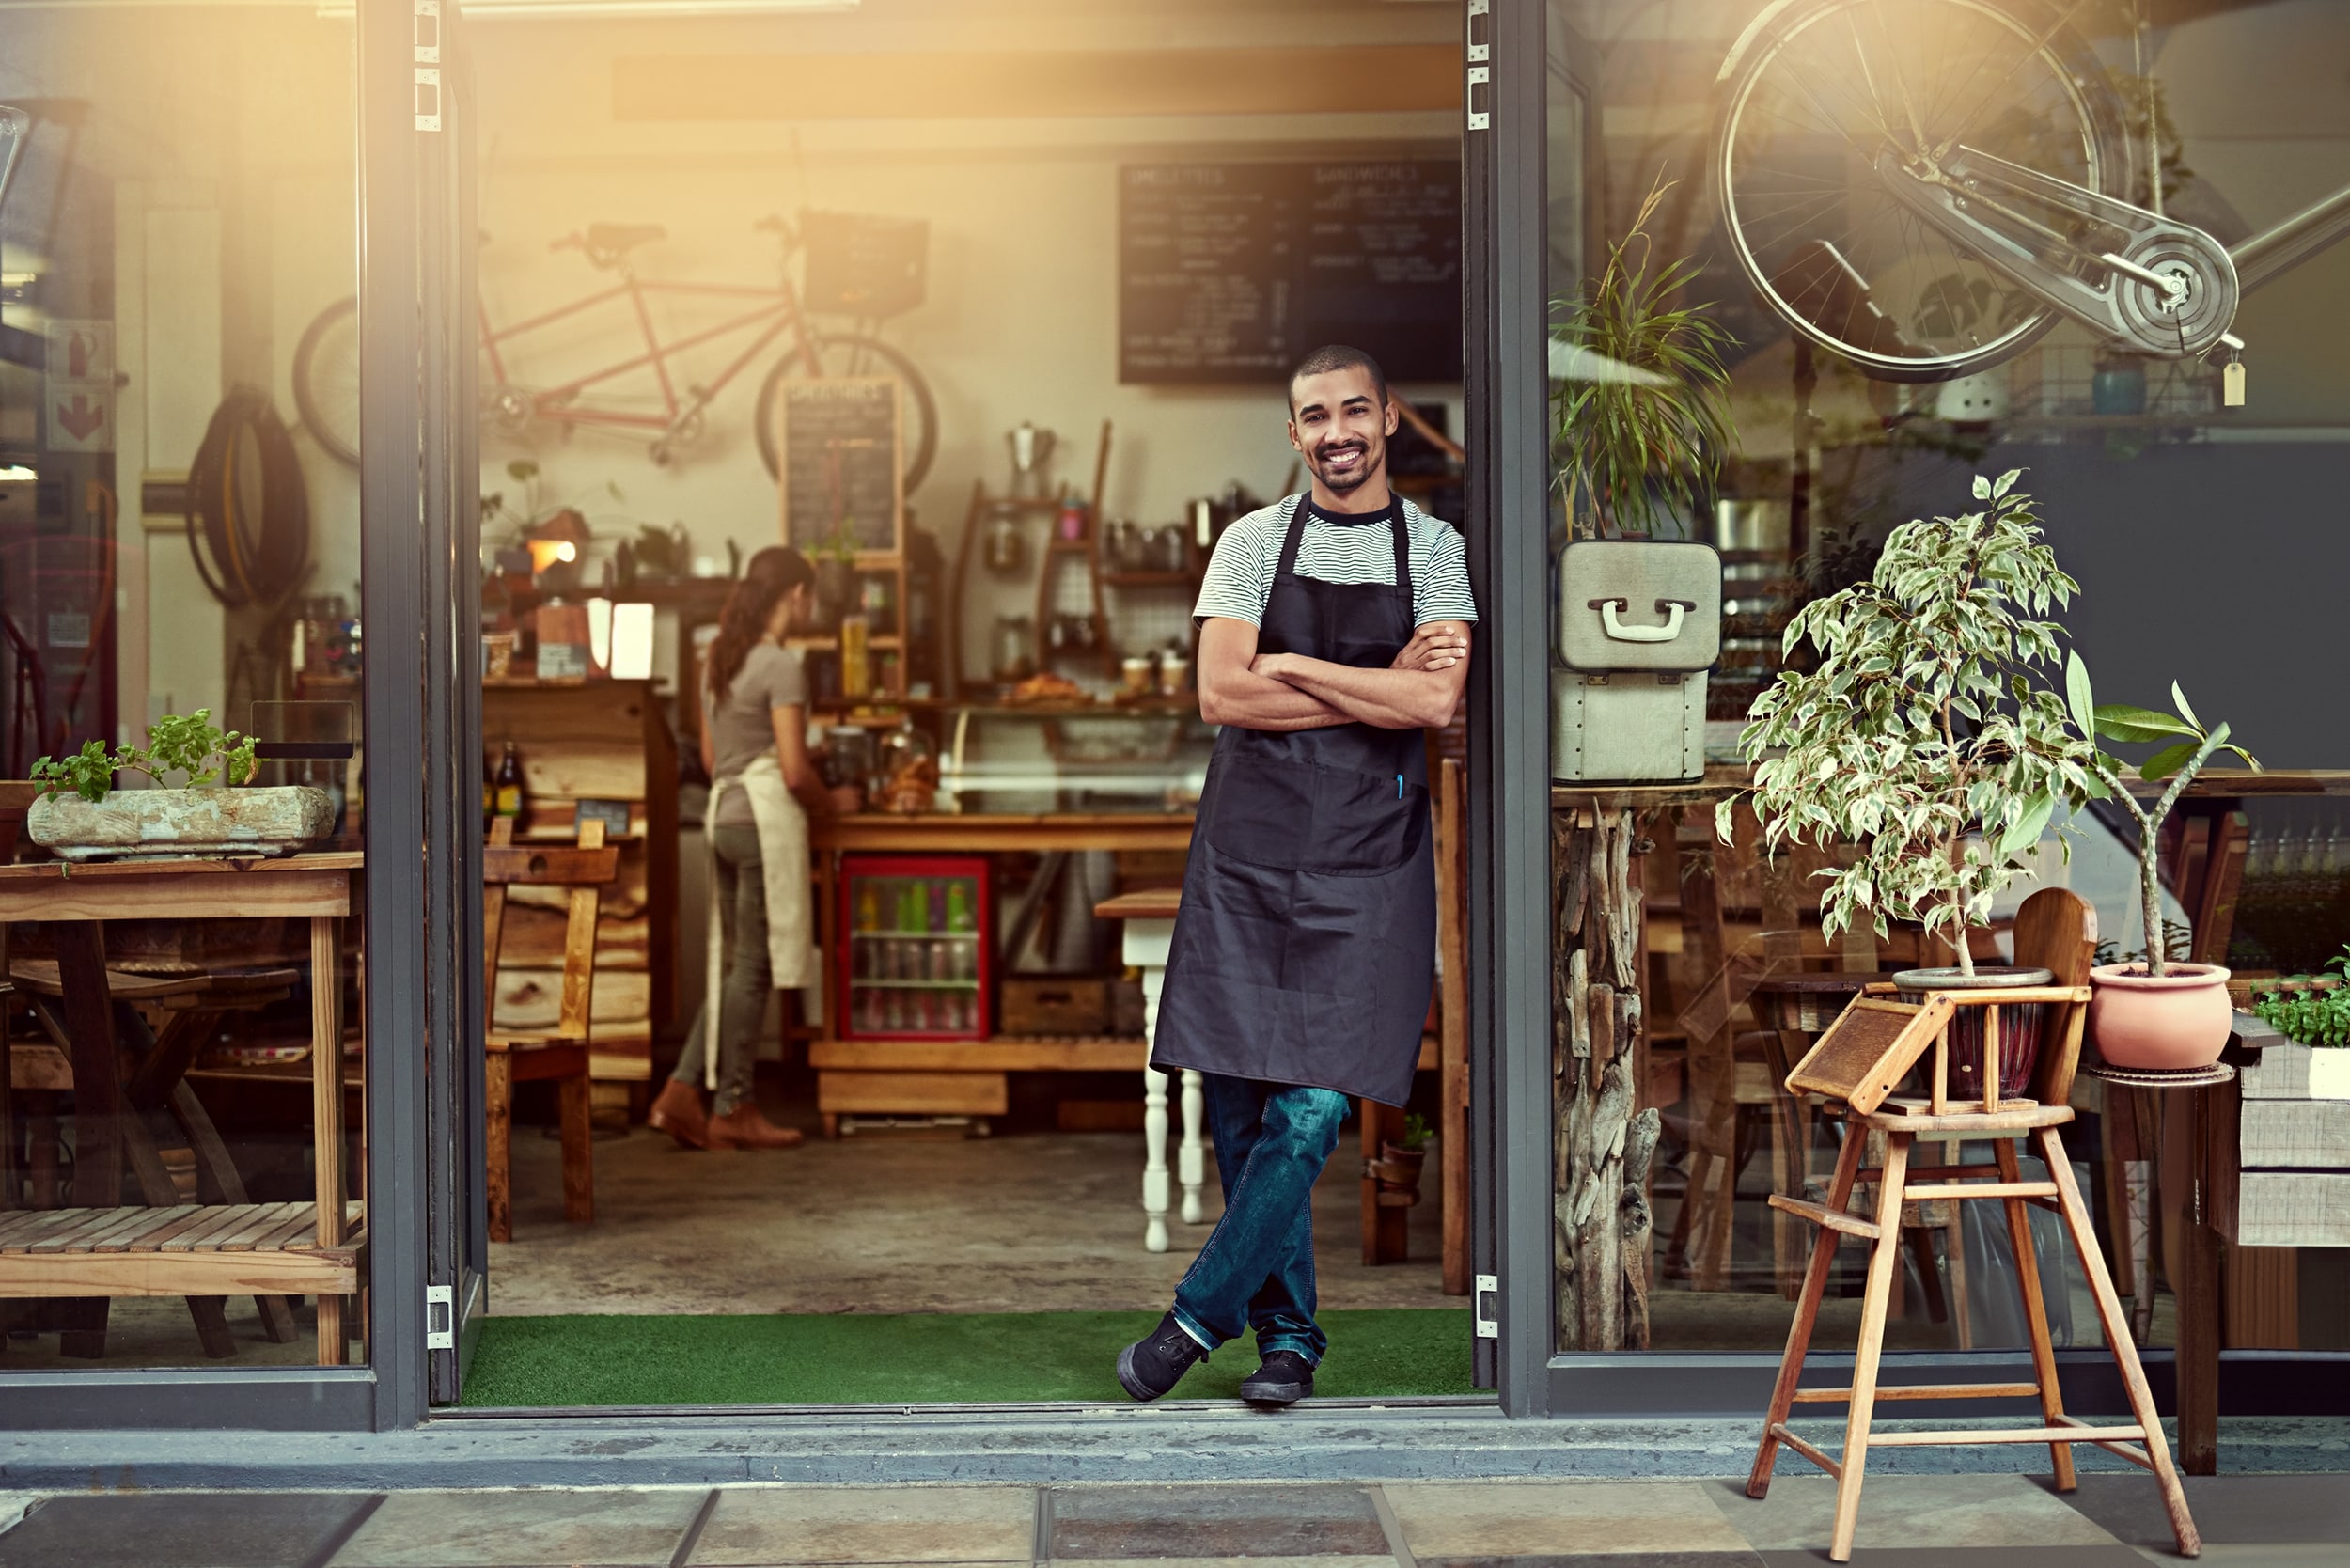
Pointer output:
1337, 356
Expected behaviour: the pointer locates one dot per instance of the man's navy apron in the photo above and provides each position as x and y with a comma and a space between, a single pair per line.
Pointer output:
1305, 950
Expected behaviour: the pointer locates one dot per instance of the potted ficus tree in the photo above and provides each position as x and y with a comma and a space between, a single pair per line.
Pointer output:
195, 809
1930, 738
2156, 1012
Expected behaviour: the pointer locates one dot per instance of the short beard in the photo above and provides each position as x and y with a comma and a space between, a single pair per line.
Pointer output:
1346, 484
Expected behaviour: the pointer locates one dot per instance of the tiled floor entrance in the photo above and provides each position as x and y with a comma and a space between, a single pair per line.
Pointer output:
2009, 1521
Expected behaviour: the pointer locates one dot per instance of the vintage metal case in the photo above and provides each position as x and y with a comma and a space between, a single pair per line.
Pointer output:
1639, 627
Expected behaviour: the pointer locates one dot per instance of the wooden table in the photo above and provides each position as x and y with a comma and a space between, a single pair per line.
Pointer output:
953, 1077
100, 1248
1149, 929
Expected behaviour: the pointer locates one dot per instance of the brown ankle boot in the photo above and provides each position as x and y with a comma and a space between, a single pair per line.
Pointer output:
744, 1127
677, 1111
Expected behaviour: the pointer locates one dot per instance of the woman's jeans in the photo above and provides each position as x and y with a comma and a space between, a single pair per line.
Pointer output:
1258, 1268
742, 997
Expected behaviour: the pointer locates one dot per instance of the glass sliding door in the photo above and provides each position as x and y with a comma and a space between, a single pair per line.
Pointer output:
183, 584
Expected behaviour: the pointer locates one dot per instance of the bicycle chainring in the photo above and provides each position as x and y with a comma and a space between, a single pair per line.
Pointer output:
2177, 327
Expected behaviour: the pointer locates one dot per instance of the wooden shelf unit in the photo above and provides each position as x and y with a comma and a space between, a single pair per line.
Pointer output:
600, 740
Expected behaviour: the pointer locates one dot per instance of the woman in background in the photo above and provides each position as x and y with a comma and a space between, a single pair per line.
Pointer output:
763, 787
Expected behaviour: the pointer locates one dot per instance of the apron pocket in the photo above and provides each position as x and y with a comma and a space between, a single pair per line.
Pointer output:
1302, 816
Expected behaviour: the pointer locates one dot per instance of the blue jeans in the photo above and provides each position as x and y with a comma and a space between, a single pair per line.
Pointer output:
1258, 1268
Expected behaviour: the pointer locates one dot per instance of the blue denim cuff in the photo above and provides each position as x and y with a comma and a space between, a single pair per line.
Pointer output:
1291, 1343
1191, 1326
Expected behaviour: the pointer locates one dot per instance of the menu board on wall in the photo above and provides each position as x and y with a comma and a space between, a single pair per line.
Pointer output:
841, 462
1234, 272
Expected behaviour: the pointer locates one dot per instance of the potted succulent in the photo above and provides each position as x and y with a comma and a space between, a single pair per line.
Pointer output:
80, 816
1929, 738
2155, 1013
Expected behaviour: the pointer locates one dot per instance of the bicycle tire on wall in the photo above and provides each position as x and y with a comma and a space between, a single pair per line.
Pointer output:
2070, 66
316, 403
833, 353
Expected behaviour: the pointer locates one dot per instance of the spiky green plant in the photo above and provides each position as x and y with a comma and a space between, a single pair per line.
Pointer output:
1634, 453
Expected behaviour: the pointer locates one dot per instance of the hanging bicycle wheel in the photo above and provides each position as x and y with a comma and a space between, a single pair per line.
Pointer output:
855, 356
1829, 92
326, 380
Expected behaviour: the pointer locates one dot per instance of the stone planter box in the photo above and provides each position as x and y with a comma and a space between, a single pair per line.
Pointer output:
259, 822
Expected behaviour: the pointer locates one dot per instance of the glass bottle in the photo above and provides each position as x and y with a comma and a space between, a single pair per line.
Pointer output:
511, 794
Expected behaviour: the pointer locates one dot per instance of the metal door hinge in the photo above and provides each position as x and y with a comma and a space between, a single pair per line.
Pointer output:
1488, 1305
428, 42
440, 1317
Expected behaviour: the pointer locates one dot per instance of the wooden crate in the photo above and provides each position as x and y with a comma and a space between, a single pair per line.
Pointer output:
1075, 1005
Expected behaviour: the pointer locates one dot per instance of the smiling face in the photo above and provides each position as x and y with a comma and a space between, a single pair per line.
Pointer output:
1341, 425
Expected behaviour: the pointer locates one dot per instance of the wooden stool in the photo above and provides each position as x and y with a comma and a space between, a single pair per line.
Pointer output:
1854, 1067
525, 1057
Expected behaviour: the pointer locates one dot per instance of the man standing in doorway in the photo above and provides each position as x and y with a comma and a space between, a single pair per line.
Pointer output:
1333, 630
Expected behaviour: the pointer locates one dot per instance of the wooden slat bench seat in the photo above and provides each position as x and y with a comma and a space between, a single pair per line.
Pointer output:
189, 1249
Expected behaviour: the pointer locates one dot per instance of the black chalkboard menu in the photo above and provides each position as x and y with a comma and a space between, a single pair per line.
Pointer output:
1234, 272
840, 460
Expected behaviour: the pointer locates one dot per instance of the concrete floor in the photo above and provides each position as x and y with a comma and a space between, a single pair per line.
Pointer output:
884, 1223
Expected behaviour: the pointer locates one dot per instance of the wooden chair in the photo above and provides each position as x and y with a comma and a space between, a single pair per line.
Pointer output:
560, 1054
1854, 1067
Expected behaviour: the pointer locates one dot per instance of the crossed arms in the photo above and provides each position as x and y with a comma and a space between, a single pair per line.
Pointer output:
1420, 690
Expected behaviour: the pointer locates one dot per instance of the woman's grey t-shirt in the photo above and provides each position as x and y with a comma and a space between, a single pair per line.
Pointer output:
741, 724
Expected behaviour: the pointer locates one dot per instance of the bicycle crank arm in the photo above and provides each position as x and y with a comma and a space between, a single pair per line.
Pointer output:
2152, 285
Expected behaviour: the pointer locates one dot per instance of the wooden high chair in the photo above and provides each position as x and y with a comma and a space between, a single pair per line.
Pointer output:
1854, 1068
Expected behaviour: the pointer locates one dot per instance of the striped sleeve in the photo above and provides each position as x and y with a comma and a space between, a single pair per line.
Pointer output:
1238, 583
1440, 583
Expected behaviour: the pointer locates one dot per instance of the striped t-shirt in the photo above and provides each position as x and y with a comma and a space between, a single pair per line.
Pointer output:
1239, 580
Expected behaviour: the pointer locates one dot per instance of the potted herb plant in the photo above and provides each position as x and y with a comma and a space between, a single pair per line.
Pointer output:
2156, 1012
80, 816
1929, 738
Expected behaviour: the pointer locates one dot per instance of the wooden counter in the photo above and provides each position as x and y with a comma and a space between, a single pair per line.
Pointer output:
593, 740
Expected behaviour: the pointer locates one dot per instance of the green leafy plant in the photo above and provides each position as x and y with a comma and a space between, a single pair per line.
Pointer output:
1648, 450
188, 745
2305, 1015
1928, 735
1416, 1133
2186, 748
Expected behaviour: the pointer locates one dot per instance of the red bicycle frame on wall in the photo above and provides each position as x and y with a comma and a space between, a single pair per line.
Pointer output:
325, 372
776, 312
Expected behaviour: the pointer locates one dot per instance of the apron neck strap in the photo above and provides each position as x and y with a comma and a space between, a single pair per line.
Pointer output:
1400, 527
1293, 530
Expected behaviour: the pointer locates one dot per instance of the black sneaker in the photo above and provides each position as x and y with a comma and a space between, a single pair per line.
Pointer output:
1157, 1362
1285, 1378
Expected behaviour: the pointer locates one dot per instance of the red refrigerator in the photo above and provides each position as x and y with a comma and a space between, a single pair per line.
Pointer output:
916, 956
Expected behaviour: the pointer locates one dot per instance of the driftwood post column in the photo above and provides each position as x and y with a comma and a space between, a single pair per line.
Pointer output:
1604, 1139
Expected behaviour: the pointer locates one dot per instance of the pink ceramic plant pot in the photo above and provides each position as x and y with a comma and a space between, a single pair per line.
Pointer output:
2179, 1019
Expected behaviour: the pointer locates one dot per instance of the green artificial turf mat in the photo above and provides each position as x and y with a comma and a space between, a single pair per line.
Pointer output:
921, 1358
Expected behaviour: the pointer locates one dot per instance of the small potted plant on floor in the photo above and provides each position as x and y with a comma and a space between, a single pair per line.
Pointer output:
1930, 738
1402, 1160
2156, 1012
80, 816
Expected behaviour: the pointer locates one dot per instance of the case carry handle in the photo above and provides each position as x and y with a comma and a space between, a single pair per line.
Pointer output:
1670, 608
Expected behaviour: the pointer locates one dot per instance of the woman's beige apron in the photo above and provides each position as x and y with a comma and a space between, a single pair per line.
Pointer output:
783, 864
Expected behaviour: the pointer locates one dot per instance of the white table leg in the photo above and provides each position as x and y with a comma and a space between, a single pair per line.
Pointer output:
1146, 946
1191, 1159
1153, 1160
